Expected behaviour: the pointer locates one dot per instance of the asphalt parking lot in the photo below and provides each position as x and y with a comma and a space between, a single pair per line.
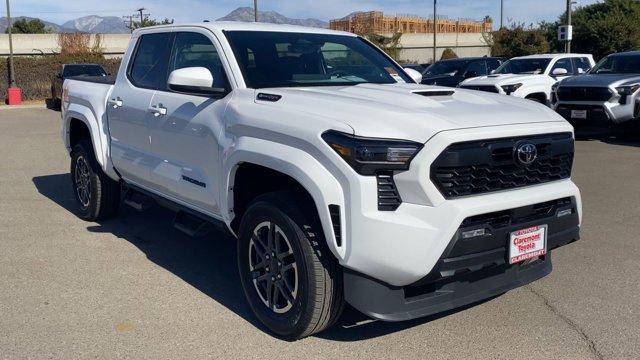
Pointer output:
134, 287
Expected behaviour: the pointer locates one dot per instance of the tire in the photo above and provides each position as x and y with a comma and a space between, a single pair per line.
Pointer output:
314, 284
97, 194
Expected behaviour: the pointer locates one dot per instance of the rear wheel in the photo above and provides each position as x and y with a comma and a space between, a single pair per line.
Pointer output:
291, 280
97, 194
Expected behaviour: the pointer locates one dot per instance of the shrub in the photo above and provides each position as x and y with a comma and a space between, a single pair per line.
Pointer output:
448, 53
36, 74
518, 40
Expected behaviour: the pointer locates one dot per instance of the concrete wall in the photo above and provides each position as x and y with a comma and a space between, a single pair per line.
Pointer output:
419, 47
47, 44
415, 47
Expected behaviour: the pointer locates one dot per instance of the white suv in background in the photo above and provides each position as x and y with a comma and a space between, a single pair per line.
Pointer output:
531, 77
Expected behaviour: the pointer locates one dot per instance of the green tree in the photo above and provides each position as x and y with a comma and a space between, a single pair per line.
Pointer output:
518, 40
603, 28
24, 26
150, 22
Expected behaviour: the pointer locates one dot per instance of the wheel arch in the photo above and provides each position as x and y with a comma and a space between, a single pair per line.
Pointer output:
299, 168
76, 115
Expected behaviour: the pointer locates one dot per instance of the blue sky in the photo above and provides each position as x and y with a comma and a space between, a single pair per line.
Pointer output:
528, 11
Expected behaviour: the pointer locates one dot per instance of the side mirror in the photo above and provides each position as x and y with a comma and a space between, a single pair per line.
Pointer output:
194, 80
560, 72
492, 72
414, 75
470, 74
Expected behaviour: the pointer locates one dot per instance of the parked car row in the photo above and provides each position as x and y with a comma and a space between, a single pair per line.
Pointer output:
572, 84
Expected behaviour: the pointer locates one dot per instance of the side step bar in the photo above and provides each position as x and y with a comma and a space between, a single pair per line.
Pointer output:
186, 220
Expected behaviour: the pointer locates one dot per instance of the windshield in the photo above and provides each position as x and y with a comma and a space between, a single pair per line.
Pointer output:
523, 66
280, 59
77, 70
619, 64
445, 67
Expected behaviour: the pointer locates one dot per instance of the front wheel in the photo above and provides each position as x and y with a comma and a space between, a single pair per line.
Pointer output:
291, 280
97, 194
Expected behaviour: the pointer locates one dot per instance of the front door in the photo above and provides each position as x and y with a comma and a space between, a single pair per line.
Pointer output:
184, 129
128, 107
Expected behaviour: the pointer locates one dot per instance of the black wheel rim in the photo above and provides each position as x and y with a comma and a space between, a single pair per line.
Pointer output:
83, 181
273, 267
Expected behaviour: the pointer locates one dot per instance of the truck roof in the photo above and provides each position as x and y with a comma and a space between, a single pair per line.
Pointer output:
253, 26
550, 56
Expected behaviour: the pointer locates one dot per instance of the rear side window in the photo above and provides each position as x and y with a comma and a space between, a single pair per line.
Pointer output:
149, 66
196, 50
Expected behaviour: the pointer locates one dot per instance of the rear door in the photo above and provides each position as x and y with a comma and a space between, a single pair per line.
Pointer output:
184, 133
128, 110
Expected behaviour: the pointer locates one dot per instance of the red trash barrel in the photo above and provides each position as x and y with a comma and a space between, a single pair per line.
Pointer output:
14, 96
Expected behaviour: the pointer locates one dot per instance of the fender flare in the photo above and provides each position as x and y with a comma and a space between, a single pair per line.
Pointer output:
323, 187
97, 131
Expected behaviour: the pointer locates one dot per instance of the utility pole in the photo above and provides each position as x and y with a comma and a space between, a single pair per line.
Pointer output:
128, 20
568, 44
141, 16
255, 10
435, 28
12, 78
501, 14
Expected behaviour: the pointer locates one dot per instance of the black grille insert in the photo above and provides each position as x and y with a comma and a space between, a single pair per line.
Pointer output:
388, 195
485, 88
479, 167
568, 93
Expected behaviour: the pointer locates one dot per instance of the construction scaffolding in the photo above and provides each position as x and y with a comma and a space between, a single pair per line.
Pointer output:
375, 22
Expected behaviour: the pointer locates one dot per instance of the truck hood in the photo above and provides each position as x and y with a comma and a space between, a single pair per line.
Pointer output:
409, 111
501, 79
601, 80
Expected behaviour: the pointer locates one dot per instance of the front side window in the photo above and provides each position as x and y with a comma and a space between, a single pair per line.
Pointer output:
476, 68
566, 64
149, 65
279, 59
582, 65
618, 64
524, 66
196, 50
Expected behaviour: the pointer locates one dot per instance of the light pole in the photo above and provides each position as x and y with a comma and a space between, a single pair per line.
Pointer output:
12, 79
255, 10
435, 28
501, 13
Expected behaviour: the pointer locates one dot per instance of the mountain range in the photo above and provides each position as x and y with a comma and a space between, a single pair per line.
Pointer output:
116, 25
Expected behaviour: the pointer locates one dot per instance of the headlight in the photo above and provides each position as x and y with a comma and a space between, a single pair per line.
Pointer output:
369, 156
627, 89
511, 88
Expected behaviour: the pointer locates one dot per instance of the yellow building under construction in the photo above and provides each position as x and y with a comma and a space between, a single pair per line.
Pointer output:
375, 22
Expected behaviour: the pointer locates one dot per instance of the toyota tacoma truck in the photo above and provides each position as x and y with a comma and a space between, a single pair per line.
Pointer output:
608, 95
343, 179
531, 77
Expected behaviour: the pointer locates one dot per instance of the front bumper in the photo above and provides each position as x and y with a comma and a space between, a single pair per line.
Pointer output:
600, 113
469, 270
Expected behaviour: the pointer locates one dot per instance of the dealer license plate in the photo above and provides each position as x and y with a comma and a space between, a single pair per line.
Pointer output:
527, 244
578, 114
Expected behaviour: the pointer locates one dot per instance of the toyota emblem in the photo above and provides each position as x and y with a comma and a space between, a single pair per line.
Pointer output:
526, 153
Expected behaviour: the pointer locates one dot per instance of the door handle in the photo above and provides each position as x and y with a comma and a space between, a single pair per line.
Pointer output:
158, 110
116, 102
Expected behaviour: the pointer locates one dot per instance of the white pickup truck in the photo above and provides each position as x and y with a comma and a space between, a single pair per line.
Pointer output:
341, 176
531, 77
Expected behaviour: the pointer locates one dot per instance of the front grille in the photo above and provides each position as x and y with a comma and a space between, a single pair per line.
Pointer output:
485, 88
479, 167
569, 93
